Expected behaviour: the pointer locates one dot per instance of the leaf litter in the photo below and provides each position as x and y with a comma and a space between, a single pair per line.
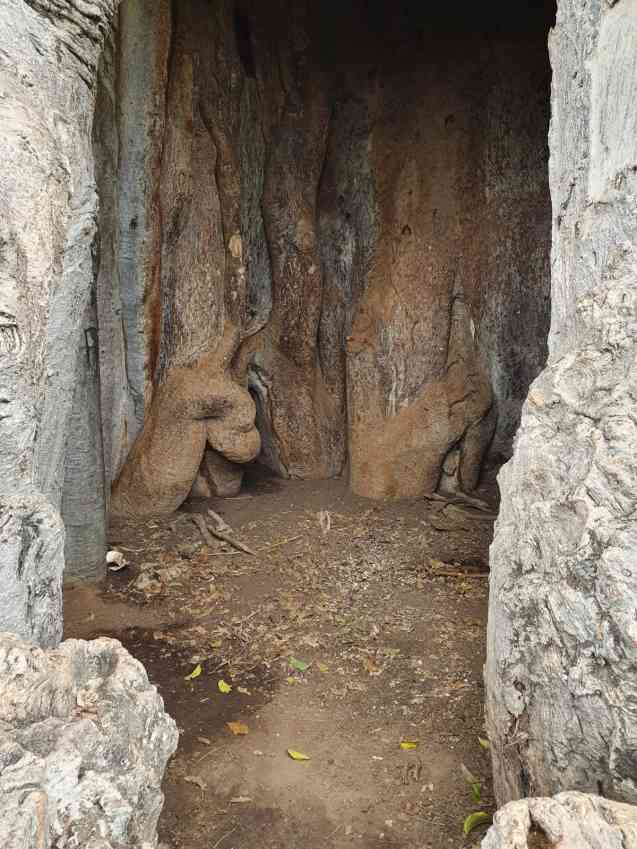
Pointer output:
345, 592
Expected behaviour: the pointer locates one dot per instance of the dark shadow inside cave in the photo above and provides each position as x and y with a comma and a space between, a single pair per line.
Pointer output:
335, 213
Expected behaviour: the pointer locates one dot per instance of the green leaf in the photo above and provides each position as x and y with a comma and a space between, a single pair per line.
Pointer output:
475, 820
476, 792
299, 665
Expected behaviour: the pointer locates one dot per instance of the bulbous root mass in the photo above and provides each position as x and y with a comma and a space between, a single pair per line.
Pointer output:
197, 406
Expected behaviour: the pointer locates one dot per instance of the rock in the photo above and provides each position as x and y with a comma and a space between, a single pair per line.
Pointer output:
566, 821
561, 650
84, 742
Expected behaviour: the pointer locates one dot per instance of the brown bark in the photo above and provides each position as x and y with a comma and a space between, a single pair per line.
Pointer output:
196, 405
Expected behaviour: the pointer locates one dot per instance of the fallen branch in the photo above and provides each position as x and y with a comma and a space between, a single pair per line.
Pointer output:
208, 533
448, 573
233, 542
466, 512
198, 520
281, 542
460, 498
220, 523
219, 531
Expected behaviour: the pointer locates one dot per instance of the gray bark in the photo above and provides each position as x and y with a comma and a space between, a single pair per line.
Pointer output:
562, 634
84, 497
50, 53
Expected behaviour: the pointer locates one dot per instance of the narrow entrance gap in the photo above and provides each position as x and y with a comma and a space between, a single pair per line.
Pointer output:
363, 192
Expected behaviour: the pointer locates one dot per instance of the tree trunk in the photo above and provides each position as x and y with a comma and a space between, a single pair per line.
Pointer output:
47, 229
562, 634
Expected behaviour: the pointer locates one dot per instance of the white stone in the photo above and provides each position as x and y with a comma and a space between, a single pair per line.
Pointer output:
84, 742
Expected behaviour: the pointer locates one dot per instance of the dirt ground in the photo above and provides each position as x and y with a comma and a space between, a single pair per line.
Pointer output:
354, 627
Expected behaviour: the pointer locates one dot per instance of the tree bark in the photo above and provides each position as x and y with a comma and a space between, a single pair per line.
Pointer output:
562, 635
48, 75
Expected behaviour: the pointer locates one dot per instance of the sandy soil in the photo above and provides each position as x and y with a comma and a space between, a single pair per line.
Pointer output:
355, 626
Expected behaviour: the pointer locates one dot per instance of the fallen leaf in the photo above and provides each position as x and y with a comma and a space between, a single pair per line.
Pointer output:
371, 667
474, 782
291, 680
237, 728
223, 687
484, 743
475, 820
196, 672
323, 668
298, 756
406, 745
299, 665
195, 779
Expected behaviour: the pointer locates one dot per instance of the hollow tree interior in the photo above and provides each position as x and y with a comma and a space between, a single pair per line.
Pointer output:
324, 245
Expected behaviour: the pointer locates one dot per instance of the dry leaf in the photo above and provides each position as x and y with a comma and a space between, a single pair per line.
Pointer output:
371, 667
223, 687
196, 672
237, 728
298, 756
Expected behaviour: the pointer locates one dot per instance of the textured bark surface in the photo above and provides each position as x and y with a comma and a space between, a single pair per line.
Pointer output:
415, 384
301, 175
562, 657
195, 406
325, 173
50, 53
566, 821
84, 742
